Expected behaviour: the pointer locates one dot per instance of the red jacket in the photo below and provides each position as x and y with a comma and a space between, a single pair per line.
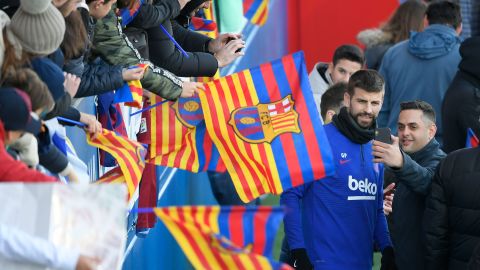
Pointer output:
12, 170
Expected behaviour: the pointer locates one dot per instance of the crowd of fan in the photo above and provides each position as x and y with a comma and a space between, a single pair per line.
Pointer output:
53, 53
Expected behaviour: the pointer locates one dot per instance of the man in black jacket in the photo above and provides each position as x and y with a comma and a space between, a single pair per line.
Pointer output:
204, 55
411, 159
461, 106
452, 214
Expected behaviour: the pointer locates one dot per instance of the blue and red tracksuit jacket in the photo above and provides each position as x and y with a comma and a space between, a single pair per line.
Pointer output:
337, 219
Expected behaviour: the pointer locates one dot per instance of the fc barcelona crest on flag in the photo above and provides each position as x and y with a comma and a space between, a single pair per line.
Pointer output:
188, 111
264, 122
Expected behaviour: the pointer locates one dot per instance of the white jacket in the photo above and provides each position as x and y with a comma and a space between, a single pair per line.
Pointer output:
318, 83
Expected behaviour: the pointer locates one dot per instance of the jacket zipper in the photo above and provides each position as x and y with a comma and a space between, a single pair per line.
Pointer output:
363, 157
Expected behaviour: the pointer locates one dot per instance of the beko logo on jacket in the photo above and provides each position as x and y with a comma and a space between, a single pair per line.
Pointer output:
364, 186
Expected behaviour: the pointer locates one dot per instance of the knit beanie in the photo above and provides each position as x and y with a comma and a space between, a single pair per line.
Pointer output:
39, 26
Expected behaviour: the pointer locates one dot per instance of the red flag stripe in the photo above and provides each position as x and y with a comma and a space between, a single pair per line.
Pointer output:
261, 18
246, 5
261, 147
215, 122
314, 150
235, 223
124, 152
248, 147
218, 258
191, 240
260, 222
232, 136
287, 138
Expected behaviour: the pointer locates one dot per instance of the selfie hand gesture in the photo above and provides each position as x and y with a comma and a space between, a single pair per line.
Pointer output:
388, 154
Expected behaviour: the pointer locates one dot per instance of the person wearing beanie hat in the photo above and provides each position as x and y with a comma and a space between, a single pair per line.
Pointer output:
461, 105
15, 119
39, 26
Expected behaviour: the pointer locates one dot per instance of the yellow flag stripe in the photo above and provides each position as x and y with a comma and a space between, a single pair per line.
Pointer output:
220, 146
124, 166
208, 122
153, 127
272, 165
254, 147
240, 143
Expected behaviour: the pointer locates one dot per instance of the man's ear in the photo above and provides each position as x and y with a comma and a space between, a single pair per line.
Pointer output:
432, 130
346, 99
330, 68
459, 29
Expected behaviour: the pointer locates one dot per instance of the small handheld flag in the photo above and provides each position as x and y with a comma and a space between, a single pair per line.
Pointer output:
256, 11
472, 139
131, 92
200, 24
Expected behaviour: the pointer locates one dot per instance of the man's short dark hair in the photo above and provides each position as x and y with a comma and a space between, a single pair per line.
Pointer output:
444, 12
427, 109
366, 79
349, 52
332, 99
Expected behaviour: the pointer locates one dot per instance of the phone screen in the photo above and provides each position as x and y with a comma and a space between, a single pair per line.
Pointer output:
383, 135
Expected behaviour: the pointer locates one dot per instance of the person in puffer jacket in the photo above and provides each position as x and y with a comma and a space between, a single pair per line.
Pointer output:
461, 106
423, 67
452, 214
113, 46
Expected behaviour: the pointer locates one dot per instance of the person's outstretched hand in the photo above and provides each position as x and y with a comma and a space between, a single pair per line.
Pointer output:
189, 89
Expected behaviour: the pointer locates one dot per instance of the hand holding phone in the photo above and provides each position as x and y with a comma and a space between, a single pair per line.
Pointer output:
383, 135
230, 39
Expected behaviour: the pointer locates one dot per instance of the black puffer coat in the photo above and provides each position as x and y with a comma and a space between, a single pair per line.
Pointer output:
461, 105
162, 51
452, 214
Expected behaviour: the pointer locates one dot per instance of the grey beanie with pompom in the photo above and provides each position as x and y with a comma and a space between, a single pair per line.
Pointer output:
39, 26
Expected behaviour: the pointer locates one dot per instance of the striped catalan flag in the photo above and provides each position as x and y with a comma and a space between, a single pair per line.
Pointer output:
214, 237
256, 11
131, 92
472, 139
201, 24
129, 13
177, 136
266, 127
130, 156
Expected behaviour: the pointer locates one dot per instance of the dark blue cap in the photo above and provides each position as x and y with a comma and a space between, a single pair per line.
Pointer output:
16, 111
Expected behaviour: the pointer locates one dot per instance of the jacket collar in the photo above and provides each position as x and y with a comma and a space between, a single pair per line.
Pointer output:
431, 147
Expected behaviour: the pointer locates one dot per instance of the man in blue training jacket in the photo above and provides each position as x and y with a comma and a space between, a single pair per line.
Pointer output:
334, 223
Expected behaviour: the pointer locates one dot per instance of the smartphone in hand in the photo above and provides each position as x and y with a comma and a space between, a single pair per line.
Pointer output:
230, 39
383, 135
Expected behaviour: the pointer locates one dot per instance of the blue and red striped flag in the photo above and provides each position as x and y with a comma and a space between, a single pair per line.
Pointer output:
129, 13
472, 139
266, 127
131, 92
177, 136
200, 24
256, 11
214, 237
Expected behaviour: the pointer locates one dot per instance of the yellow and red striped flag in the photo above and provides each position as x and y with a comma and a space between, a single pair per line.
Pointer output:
177, 136
130, 156
256, 11
131, 93
235, 237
